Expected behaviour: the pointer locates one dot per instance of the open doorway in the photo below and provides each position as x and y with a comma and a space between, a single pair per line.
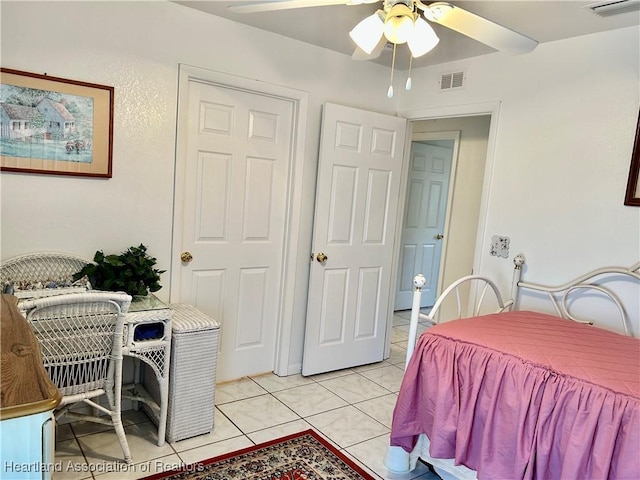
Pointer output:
468, 140
431, 162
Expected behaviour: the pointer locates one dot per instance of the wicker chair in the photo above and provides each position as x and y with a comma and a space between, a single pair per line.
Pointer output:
80, 337
41, 268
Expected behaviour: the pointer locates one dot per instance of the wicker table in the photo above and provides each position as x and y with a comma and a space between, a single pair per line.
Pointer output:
147, 331
148, 338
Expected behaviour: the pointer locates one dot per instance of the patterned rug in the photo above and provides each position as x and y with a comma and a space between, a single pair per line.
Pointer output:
301, 456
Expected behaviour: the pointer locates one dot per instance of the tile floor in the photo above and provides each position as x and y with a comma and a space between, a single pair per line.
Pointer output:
352, 408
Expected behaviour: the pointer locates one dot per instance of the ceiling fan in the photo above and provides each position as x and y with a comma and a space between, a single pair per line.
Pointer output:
401, 21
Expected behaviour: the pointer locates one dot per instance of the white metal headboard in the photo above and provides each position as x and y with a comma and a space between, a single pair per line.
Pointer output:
558, 295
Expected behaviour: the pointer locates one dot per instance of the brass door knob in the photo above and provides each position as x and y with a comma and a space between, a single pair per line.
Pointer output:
439, 236
186, 257
322, 257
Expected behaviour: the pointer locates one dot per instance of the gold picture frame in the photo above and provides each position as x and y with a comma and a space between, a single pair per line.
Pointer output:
632, 196
55, 126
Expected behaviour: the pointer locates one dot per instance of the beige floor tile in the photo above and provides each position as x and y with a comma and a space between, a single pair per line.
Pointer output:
358, 463
309, 399
257, 413
400, 334
142, 469
82, 428
129, 417
354, 388
329, 375
380, 409
70, 463
401, 317
398, 354
371, 366
104, 446
213, 450
237, 390
223, 429
274, 383
132, 417
64, 432
387, 377
279, 431
347, 426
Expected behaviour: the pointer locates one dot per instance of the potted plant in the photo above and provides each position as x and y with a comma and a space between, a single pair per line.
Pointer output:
132, 272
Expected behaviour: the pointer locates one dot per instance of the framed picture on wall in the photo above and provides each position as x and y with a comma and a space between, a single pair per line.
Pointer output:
632, 196
55, 126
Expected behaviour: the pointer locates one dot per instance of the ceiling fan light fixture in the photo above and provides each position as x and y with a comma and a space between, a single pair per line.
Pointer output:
437, 11
423, 39
368, 32
398, 26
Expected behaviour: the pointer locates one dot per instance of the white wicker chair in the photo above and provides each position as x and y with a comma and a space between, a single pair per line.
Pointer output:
41, 267
80, 337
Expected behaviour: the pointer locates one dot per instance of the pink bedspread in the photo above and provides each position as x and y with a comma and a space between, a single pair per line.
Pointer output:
524, 395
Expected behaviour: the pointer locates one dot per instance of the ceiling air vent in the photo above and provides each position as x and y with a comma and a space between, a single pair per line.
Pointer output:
452, 81
615, 7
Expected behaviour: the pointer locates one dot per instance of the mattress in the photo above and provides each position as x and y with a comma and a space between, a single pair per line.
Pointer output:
524, 395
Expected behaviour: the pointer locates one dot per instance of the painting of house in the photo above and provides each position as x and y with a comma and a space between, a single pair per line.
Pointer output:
58, 122
46, 125
16, 121
47, 120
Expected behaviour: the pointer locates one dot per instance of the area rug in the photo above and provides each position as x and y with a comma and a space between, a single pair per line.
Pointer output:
301, 456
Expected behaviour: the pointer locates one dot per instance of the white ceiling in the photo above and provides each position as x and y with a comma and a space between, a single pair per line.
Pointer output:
328, 26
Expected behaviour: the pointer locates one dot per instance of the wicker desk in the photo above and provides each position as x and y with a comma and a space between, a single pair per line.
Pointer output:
148, 338
147, 332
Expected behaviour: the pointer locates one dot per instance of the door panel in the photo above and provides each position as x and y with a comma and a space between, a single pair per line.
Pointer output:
425, 214
238, 157
358, 186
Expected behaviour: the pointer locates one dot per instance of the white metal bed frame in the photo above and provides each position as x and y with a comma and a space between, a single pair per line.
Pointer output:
558, 296
397, 460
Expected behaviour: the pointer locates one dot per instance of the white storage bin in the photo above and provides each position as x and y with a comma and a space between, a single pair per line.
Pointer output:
192, 373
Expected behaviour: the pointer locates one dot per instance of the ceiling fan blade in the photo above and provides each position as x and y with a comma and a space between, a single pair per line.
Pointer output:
479, 28
273, 5
359, 54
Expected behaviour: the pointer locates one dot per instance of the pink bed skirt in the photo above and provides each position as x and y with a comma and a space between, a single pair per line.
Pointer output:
545, 398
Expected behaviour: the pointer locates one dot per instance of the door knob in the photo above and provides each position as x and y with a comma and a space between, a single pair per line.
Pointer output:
186, 257
439, 236
322, 257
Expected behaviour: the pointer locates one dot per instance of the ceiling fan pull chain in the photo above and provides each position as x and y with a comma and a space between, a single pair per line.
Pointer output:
393, 64
408, 84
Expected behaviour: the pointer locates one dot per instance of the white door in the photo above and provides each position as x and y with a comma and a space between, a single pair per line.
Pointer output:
238, 150
357, 200
423, 224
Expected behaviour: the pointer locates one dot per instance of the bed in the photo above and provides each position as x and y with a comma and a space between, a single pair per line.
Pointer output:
520, 394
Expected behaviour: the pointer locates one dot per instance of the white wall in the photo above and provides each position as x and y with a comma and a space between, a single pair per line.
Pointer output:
566, 122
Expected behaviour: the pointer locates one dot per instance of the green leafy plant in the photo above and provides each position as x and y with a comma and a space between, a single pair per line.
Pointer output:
132, 271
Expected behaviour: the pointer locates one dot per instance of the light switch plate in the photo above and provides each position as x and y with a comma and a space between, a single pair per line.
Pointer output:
499, 246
